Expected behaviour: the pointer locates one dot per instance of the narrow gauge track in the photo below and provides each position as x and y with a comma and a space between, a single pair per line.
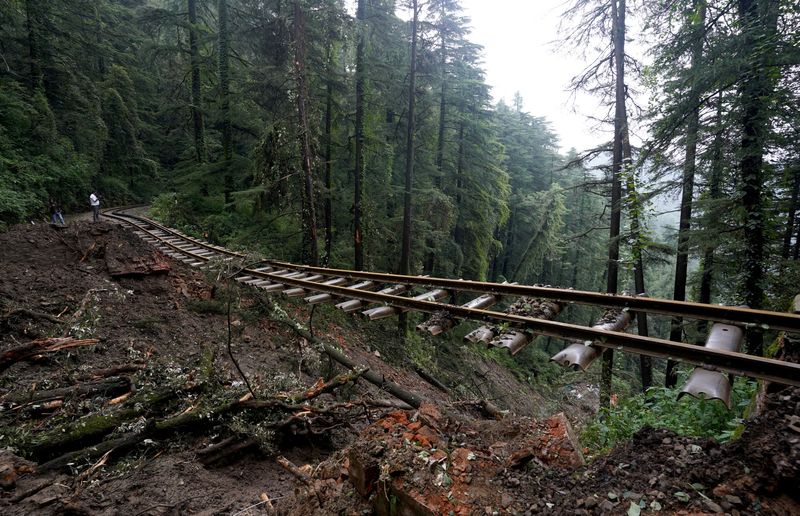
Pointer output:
277, 276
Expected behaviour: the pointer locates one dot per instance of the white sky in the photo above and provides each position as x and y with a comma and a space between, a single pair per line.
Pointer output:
519, 55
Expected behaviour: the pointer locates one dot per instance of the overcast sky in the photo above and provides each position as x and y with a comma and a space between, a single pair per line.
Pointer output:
520, 55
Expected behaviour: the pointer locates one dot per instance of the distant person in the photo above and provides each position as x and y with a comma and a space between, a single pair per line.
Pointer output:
55, 213
94, 202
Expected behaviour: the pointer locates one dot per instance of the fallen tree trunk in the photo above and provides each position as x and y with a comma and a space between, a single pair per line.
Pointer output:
40, 346
90, 429
321, 387
294, 470
111, 371
430, 378
114, 445
108, 387
376, 379
33, 314
224, 449
194, 419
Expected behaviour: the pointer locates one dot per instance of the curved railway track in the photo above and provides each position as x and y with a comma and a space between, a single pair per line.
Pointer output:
390, 294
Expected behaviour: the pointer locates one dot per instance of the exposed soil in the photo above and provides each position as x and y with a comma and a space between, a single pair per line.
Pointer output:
163, 327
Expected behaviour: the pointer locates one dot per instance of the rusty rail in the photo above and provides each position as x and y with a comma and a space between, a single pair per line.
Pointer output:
712, 359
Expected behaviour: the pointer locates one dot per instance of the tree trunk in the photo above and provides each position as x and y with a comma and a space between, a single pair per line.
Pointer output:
358, 249
100, 62
328, 157
509, 244
714, 194
796, 250
758, 24
438, 178
689, 167
792, 213
310, 251
576, 253
405, 255
224, 93
618, 10
33, 22
194, 61
458, 230
645, 363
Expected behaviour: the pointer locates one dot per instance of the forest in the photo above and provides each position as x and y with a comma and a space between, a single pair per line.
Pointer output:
365, 136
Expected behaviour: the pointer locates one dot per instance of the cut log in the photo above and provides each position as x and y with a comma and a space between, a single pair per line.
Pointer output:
429, 378
92, 428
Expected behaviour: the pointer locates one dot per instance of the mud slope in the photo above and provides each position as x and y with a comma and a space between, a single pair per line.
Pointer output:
118, 395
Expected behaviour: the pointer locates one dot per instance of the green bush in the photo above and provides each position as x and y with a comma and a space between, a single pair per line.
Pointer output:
660, 408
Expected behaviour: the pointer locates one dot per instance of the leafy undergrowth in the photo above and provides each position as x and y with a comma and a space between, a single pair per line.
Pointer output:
660, 408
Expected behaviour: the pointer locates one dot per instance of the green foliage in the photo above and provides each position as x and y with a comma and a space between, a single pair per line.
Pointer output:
659, 408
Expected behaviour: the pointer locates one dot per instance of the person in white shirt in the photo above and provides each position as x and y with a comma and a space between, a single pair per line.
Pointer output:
94, 202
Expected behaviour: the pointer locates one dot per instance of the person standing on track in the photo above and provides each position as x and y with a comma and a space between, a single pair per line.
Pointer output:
94, 202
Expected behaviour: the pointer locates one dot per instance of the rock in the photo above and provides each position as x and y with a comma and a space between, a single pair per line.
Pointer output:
607, 506
430, 415
8, 476
363, 471
713, 507
734, 500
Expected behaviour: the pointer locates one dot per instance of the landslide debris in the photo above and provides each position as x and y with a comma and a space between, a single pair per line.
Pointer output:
152, 351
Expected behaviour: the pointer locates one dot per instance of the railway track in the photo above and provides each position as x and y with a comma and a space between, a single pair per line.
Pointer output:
380, 295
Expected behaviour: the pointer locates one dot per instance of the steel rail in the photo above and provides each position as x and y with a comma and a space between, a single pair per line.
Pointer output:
738, 363
713, 359
725, 314
763, 319
120, 215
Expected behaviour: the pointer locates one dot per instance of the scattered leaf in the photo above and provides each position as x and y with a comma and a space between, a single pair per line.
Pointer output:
680, 495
